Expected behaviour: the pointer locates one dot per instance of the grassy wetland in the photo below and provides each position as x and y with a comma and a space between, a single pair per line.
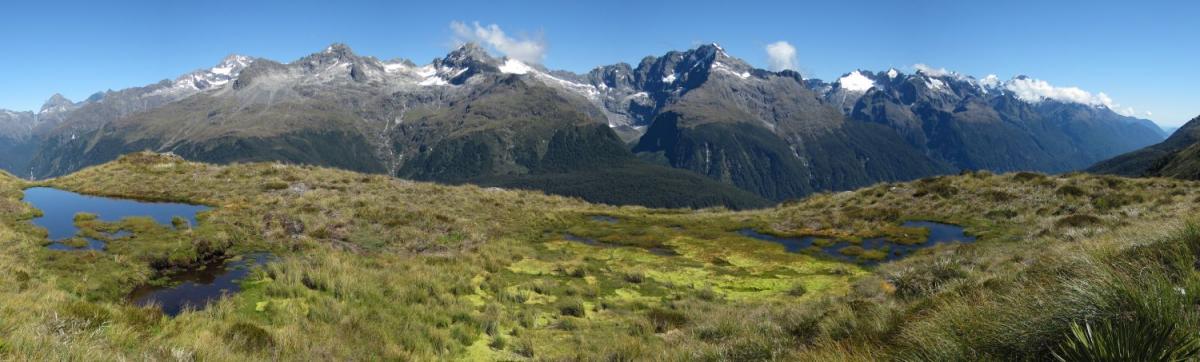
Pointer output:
367, 267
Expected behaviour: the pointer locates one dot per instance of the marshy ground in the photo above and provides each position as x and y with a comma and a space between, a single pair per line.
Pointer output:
428, 272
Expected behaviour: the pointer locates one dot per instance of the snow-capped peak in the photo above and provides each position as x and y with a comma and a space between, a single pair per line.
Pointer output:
720, 50
856, 81
892, 73
56, 103
513, 66
231, 64
224, 72
989, 82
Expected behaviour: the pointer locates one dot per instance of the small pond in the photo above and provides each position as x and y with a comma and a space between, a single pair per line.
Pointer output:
656, 250
59, 208
939, 233
195, 289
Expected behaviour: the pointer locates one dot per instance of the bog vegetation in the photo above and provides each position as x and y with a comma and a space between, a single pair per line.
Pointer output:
368, 267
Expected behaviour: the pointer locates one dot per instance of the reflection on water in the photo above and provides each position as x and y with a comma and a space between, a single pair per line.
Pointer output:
939, 233
60, 207
195, 289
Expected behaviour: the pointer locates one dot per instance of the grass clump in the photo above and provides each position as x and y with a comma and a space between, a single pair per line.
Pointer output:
873, 255
852, 250
635, 276
1001, 214
85, 315
1140, 340
1028, 176
1077, 220
665, 319
248, 337
434, 272
572, 308
1070, 191
1112, 201
935, 186
797, 290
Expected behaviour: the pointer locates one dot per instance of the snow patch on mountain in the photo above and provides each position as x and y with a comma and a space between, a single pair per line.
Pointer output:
721, 67
395, 67
856, 81
432, 81
200, 80
935, 84
513, 66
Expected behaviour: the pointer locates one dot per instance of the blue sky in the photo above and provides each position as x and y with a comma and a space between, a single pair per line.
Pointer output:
1142, 54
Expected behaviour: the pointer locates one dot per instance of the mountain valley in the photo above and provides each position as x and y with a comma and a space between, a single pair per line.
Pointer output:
744, 137
598, 181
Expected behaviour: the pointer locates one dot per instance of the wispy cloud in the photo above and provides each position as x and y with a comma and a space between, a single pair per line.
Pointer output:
937, 72
1036, 90
525, 49
781, 55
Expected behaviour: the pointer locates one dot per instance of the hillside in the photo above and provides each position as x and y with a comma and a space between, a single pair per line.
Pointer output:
338, 109
433, 272
765, 132
991, 125
1178, 156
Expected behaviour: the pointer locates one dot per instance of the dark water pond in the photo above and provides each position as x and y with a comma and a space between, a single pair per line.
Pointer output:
197, 288
939, 233
656, 250
59, 208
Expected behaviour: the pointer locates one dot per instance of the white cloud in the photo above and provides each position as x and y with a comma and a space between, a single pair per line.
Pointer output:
936, 72
1149, 114
990, 81
1034, 90
942, 72
525, 49
781, 55
1037, 90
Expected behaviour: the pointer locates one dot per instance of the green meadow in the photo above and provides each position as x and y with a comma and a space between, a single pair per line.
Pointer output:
367, 267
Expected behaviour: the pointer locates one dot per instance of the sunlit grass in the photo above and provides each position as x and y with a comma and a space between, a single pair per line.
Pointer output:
428, 272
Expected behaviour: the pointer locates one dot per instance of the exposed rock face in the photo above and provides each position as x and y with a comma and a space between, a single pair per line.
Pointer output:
972, 124
467, 117
471, 117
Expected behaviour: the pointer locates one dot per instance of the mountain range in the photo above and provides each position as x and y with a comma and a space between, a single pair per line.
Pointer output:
688, 128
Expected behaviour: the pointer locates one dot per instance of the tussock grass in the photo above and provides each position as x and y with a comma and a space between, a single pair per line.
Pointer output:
432, 272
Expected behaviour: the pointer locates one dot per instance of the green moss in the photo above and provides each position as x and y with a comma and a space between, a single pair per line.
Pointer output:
852, 250
873, 254
84, 217
436, 272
